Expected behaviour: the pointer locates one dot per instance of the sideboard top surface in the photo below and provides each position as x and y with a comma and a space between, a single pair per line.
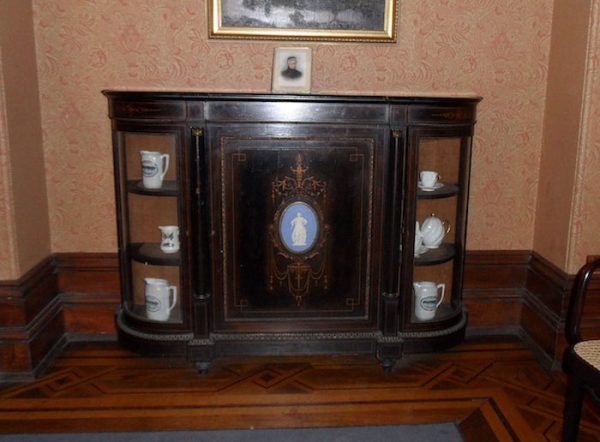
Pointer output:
210, 96
340, 109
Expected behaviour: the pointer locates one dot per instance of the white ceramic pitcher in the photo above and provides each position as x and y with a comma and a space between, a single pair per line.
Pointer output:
157, 292
169, 239
154, 168
426, 299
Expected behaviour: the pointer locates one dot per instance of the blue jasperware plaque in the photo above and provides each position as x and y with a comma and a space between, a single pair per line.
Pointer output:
298, 227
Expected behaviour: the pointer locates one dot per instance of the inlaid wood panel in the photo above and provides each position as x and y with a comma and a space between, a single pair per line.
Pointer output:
299, 225
493, 389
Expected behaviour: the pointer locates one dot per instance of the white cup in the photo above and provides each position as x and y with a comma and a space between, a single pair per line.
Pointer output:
154, 168
169, 242
429, 178
426, 299
157, 292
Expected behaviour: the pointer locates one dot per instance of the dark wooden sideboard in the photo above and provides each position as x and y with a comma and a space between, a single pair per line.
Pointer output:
297, 218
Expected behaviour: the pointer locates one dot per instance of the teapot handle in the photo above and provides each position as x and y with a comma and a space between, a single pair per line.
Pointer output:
447, 226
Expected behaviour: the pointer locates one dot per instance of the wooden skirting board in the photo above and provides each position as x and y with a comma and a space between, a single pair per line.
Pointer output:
73, 296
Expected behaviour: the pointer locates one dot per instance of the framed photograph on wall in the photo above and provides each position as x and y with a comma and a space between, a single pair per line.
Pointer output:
291, 70
325, 20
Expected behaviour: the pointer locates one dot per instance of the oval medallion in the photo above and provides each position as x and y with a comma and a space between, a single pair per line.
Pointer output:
298, 227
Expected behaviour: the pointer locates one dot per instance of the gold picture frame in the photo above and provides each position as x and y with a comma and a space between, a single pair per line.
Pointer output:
335, 20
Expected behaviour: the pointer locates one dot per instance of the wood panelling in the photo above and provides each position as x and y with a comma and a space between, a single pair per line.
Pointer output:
90, 313
23, 299
65, 295
546, 299
545, 303
493, 289
75, 295
90, 292
88, 272
31, 324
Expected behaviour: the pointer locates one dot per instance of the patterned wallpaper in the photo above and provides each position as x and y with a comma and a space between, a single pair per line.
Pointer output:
585, 225
25, 233
494, 48
8, 266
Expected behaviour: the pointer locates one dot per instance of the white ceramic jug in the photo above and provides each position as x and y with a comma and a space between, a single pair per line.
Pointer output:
154, 168
157, 292
169, 242
426, 299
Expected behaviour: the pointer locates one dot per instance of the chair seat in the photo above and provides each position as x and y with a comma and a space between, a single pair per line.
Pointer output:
589, 351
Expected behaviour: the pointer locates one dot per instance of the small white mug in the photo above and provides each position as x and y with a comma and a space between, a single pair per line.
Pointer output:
157, 293
426, 299
154, 168
429, 178
169, 242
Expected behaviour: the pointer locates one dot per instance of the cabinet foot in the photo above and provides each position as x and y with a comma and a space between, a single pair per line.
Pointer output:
202, 367
388, 365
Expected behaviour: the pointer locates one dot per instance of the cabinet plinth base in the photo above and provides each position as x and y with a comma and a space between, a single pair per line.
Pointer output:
387, 349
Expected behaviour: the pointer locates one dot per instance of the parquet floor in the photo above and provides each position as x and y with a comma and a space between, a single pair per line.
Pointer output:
493, 389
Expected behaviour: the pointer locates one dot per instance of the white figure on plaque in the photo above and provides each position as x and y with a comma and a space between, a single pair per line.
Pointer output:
299, 230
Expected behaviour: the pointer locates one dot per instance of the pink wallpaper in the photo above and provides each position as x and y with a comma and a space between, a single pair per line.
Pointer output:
494, 48
562, 125
585, 236
24, 230
8, 256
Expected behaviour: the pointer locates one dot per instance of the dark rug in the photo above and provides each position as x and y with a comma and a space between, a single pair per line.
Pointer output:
447, 432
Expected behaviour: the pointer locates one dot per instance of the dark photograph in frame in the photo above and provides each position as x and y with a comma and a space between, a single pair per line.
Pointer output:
292, 68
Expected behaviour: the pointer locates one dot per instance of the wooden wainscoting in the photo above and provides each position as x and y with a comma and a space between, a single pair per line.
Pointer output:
493, 290
90, 293
545, 304
65, 297
31, 322
73, 296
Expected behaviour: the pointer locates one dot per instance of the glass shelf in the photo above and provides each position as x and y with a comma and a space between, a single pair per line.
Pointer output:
169, 188
443, 312
445, 252
447, 190
150, 253
139, 311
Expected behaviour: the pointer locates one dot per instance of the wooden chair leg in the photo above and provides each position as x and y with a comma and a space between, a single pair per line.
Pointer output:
572, 411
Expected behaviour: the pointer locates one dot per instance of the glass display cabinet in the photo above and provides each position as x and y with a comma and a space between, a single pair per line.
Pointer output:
154, 214
265, 224
438, 177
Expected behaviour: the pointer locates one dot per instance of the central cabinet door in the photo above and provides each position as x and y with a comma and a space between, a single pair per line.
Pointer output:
296, 219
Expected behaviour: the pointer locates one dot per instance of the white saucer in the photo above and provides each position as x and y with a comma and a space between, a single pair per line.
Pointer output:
430, 189
421, 250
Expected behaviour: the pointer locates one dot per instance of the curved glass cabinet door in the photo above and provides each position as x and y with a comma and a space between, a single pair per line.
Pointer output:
150, 226
440, 181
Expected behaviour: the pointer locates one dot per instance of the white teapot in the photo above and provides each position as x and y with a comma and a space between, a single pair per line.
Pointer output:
433, 231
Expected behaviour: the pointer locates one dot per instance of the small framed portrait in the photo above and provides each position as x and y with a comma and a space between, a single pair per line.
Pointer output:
291, 70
